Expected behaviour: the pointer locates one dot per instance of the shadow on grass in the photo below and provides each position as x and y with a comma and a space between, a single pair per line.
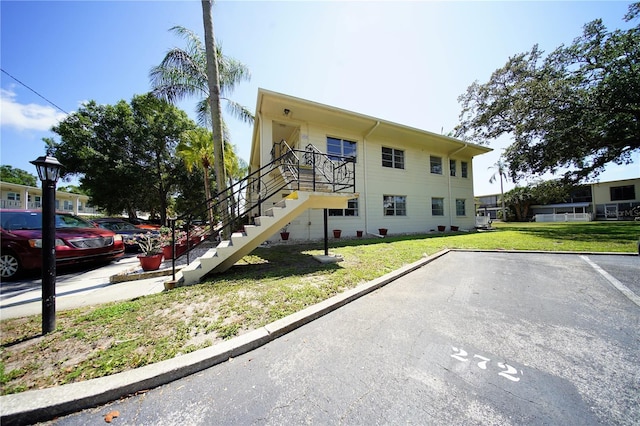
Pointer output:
275, 262
19, 340
291, 260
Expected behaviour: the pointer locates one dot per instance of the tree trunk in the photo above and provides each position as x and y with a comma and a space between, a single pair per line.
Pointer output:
207, 192
214, 104
504, 210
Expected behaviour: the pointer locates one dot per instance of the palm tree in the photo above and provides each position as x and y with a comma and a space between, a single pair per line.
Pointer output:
501, 170
213, 82
196, 150
236, 169
183, 74
203, 71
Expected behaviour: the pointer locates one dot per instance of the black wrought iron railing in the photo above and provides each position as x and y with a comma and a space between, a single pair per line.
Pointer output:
237, 205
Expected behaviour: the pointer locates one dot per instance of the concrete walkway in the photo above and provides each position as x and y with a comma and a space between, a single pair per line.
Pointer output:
74, 290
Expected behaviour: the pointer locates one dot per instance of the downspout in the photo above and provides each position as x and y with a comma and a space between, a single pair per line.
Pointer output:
451, 206
366, 174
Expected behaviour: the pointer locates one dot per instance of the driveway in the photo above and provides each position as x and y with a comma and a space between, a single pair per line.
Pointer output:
471, 338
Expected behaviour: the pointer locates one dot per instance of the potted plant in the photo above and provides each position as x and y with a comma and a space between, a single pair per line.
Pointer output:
359, 234
284, 234
168, 244
454, 228
382, 231
337, 233
150, 256
441, 228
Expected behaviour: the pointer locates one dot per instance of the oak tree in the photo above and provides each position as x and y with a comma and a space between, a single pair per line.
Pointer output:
576, 108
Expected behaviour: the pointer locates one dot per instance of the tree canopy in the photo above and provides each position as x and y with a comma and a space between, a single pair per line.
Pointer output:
577, 108
521, 198
125, 153
21, 177
183, 74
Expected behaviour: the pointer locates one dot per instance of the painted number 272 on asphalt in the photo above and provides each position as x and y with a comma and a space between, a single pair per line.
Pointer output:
508, 372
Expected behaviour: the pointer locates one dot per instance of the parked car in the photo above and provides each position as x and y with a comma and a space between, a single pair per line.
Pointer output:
130, 233
76, 241
144, 224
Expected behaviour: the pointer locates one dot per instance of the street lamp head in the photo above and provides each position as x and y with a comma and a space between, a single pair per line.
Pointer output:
48, 168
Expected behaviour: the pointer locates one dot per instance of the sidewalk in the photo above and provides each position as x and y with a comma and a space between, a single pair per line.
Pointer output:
91, 287
79, 289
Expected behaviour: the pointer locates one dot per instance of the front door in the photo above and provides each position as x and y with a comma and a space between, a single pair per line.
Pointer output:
611, 211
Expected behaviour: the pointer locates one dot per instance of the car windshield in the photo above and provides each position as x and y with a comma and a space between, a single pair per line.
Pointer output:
69, 221
117, 226
12, 221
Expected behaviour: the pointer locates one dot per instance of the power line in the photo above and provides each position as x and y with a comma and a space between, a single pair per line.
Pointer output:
33, 91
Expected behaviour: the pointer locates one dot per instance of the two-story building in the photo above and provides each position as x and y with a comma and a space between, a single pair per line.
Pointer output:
15, 196
407, 180
610, 200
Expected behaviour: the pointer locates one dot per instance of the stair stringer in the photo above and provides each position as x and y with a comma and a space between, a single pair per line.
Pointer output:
228, 252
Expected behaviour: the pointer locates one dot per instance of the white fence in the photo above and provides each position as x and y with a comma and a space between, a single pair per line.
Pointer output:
564, 217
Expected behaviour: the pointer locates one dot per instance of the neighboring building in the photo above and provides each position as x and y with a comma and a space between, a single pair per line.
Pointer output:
15, 196
408, 180
613, 200
616, 200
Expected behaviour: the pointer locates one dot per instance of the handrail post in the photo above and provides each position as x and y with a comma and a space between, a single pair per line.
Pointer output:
188, 238
353, 173
314, 171
333, 177
173, 248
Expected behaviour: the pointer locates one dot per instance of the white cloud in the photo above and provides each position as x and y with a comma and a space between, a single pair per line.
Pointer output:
26, 117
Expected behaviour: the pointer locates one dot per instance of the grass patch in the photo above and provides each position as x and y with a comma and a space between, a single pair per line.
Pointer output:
265, 286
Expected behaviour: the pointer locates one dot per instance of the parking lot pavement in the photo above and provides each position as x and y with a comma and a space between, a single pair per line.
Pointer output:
471, 338
625, 269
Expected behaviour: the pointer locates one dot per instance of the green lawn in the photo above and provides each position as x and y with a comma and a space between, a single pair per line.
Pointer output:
267, 285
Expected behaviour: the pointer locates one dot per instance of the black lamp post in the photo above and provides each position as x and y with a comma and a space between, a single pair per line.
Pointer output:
49, 172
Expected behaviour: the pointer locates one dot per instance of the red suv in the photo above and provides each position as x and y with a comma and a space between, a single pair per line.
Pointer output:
76, 241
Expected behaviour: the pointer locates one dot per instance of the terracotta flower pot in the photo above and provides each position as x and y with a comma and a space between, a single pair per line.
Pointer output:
359, 233
441, 228
337, 233
150, 263
454, 228
382, 231
284, 236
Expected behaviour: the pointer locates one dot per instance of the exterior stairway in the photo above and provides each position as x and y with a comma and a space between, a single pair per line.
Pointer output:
228, 252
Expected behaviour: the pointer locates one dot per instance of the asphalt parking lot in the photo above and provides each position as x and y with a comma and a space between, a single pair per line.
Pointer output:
471, 338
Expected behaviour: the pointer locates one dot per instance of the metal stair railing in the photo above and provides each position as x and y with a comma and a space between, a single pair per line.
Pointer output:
247, 196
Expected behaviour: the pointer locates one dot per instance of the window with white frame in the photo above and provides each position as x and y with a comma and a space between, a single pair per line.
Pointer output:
351, 210
339, 149
393, 158
13, 196
452, 167
395, 205
437, 206
436, 165
460, 207
464, 166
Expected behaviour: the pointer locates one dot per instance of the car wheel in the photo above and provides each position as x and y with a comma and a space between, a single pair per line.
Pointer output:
9, 266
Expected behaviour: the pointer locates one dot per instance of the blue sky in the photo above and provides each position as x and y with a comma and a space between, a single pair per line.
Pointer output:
400, 61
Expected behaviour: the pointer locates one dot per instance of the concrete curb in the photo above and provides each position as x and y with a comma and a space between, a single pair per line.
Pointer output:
41, 405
